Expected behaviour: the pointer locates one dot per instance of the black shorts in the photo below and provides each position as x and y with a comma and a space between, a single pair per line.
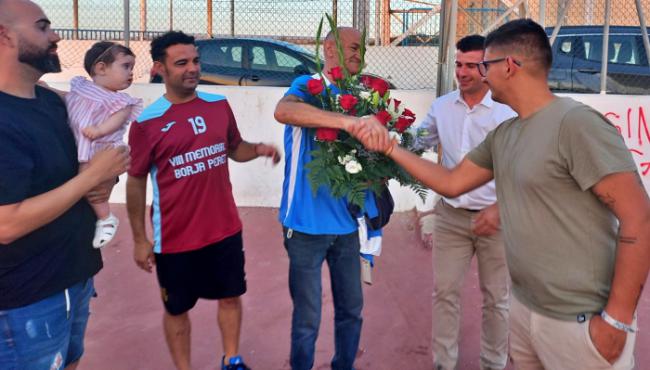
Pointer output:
212, 272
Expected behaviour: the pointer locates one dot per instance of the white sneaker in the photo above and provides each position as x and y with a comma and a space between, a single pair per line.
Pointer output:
105, 230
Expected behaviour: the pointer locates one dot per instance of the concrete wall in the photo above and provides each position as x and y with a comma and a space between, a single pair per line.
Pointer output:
258, 183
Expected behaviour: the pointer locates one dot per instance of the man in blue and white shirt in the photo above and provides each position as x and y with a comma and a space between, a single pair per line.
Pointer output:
317, 226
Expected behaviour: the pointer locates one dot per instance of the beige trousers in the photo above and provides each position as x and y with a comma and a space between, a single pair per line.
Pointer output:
454, 247
539, 342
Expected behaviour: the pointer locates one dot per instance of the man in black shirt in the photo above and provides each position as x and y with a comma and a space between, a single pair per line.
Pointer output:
46, 224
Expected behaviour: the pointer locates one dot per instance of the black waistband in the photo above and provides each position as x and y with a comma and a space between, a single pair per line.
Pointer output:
462, 209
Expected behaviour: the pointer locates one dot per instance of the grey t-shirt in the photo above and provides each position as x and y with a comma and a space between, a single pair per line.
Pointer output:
560, 239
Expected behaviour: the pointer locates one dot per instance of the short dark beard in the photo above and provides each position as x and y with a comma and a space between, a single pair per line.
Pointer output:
41, 60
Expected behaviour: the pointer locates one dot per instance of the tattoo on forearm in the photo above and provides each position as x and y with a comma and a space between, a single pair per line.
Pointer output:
627, 239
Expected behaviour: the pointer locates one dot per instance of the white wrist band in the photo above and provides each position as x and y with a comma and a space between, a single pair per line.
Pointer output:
617, 324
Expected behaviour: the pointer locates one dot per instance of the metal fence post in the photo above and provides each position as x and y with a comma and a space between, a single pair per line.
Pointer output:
232, 17
385, 24
365, 17
442, 45
605, 56
127, 23
360, 11
143, 18
377, 22
446, 78
644, 29
171, 15
75, 19
209, 20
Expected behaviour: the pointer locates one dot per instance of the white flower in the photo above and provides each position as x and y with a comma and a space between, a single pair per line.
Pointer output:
345, 160
353, 167
395, 136
365, 95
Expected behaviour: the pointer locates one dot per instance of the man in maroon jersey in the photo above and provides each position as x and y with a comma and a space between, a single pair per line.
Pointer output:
184, 140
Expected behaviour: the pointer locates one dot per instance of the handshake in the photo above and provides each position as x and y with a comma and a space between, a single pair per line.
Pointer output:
371, 133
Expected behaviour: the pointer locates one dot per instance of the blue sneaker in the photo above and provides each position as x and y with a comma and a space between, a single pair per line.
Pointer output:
235, 363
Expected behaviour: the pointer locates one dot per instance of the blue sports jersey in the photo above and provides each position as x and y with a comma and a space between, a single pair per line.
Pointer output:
301, 209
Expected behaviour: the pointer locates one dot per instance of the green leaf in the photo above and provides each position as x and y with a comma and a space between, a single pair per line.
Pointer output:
357, 197
362, 51
319, 68
375, 98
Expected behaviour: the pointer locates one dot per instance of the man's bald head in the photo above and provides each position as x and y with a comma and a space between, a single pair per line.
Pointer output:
11, 9
343, 32
350, 43
25, 35
13, 12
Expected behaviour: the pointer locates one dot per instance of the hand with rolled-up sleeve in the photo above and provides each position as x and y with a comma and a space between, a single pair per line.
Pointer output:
426, 132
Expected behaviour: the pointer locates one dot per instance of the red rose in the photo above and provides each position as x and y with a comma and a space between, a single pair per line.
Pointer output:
384, 117
402, 124
315, 86
327, 134
336, 73
380, 86
397, 103
348, 101
407, 113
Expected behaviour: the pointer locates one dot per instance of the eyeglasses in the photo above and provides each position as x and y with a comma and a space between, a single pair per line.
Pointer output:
484, 65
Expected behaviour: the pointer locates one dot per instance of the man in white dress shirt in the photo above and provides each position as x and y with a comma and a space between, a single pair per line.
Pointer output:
468, 224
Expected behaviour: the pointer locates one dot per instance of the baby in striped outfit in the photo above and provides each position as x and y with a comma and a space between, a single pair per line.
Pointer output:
99, 114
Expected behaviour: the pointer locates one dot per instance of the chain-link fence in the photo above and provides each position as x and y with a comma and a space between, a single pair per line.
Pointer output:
407, 62
403, 36
578, 44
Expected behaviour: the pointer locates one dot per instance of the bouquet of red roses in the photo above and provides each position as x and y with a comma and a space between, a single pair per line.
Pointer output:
341, 161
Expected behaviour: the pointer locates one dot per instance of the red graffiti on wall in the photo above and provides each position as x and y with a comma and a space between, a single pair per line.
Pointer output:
634, 129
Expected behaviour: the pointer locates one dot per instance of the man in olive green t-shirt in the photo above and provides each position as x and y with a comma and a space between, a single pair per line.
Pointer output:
575, 216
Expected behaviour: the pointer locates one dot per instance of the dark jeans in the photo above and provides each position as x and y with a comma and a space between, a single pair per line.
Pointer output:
306, 256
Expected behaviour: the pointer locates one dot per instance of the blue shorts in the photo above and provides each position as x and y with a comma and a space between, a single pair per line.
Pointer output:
47, 334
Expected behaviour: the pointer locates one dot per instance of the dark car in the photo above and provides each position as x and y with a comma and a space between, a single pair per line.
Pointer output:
253, 62
577, 60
